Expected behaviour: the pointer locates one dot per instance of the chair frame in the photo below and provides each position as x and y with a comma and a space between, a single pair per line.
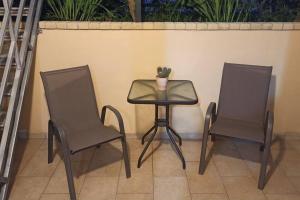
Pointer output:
56, 130
211, 117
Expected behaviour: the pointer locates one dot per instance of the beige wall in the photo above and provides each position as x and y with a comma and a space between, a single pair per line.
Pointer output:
117, 57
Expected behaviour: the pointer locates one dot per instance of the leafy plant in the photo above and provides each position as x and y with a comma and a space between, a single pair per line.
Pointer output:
274, 10
168, 10
221, 10
73, 10
117, 10
163, 72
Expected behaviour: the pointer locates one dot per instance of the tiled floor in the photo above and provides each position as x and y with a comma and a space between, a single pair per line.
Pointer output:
231, 174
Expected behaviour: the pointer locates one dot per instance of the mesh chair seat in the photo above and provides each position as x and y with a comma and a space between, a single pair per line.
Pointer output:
97, 134
238, 129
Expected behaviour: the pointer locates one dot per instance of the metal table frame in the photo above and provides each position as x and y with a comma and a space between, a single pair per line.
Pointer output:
163, 122
170, 132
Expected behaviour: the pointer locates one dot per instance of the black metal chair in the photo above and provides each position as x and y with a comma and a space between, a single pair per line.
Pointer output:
242, 111
74, 117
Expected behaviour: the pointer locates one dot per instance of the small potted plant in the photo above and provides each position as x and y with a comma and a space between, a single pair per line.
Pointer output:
162, 77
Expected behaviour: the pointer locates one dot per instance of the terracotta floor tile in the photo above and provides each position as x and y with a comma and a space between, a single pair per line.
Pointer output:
38, 165
162, 144
279, 184
24, 152
209, 182
232, 172
141, 180
167, 163
136, 184
28, 188
242, 188
191, 149
58, 183
134, 197
104, 168
145, 170
282, 197
135, 149
171, 188
99, 188
296, 182
209, 197
291, 167
106, 162
294, 144
229, 163
55, 197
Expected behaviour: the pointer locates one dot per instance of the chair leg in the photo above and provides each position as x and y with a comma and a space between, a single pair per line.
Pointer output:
125, 157
69, 173
264, 161
50, 142
263, 168
203, 153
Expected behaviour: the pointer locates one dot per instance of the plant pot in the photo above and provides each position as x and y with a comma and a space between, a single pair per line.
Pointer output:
161, 83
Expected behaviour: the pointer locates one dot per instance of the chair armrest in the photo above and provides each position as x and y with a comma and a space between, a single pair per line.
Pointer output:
210, 115
117, 114
269, 123
61, 133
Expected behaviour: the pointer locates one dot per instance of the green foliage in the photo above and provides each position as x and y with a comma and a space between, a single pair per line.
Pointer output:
86, 10
163, 72
73, 10
221, 10
169, 11
274, 10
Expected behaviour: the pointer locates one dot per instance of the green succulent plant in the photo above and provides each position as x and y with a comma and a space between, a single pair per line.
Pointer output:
163, 72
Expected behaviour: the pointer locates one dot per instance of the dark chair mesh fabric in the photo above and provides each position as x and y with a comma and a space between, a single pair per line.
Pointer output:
244, 92
242, 102
72, 104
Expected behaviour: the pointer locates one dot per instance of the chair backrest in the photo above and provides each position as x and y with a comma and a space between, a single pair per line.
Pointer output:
244, 92
70, 97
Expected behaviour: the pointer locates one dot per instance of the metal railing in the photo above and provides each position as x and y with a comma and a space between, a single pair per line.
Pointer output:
20, 57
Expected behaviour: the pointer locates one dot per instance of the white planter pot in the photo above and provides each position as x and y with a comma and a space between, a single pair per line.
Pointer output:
161, 83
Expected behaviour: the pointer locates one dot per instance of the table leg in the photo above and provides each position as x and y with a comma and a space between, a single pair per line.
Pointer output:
146, 147
148, 132
173, 142
176, 134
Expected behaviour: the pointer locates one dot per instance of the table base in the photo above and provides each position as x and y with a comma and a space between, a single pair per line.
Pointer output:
170, 132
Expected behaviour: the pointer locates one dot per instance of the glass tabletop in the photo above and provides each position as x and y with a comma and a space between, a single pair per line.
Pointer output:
178, 92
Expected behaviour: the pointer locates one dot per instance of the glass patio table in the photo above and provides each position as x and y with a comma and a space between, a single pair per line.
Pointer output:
179, 92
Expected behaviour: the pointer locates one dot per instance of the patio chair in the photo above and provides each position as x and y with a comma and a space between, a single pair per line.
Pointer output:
74, 118
241, 111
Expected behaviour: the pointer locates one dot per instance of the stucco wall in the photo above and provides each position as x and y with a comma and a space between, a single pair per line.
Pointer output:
117, 57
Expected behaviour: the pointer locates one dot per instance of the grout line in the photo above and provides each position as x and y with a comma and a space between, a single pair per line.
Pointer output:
85, 175
251, 172
222, 181
28, 161
188, 183
52, 172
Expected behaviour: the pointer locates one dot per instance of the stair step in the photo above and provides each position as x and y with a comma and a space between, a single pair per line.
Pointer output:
8, 88
14, 11
7, 37
3, 58
2, 118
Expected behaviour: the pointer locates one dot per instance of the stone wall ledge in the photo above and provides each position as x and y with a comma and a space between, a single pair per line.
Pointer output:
253, 26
